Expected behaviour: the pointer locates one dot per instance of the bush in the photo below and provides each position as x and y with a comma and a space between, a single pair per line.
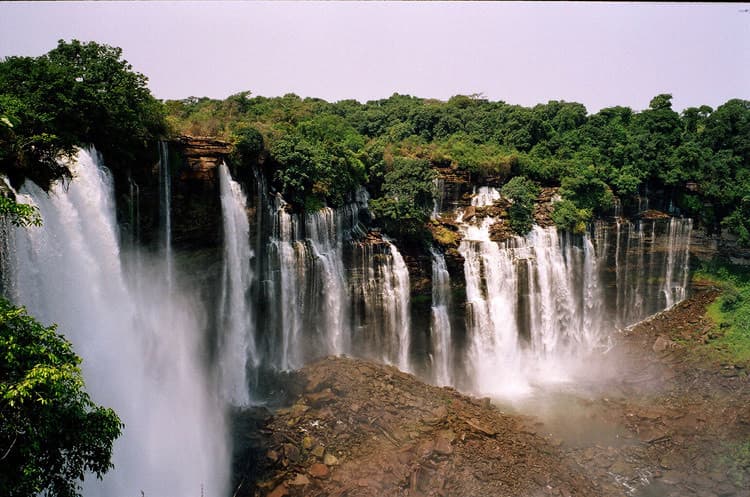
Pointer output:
522, 192
569, 217
50, 430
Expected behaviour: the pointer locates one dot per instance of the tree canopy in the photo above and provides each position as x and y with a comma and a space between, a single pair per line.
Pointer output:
76, 95
698, 159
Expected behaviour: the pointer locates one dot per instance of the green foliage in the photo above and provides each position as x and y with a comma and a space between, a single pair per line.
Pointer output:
569, 217
318, 162
730, 340
19, 214
587, 190
406, 203
77, 94
701, 158
51, 433
522, 192
248, 144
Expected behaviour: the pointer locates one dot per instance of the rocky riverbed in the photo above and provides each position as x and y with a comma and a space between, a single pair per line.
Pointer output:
654, 417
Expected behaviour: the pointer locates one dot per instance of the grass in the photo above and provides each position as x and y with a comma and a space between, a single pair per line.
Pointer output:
730, 312
736, 463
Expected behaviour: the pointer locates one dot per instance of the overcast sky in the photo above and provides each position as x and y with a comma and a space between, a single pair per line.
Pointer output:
523, 53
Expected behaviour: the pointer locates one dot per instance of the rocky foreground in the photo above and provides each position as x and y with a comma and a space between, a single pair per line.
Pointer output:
654, 418
361, 429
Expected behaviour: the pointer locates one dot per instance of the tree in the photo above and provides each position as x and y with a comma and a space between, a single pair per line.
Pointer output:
51, 433
406, 203
522, 192
19, 214
78, 94
569, 217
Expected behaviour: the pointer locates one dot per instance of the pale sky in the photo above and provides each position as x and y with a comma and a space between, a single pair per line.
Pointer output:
523, 53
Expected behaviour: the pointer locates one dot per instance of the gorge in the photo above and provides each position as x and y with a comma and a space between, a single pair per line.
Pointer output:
175, 326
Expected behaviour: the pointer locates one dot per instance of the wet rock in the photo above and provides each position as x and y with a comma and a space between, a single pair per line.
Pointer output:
307, 443
291, 452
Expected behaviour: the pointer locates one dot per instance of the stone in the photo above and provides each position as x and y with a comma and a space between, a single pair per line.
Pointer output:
299, 409
307, 442
622, 467
330, 460
320, 398
280, 491
661, 344
319, 470
300, 480
443, 446
469, 213
318, 451
291, 452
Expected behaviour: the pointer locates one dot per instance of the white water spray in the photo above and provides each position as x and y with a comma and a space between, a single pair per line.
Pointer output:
440, 326
237, 332
140, 350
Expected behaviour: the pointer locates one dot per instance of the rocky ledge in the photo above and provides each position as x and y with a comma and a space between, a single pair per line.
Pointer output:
361, 429
202, 155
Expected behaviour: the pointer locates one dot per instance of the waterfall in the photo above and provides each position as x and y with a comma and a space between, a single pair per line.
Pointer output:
437, 198
236, 332
494, 358
396, 296
140, 349
678, 258
330, 289
165, 207
440, 326
536, 303
307, 269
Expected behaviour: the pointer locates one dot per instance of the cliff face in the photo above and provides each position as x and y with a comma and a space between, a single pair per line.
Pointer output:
192, 165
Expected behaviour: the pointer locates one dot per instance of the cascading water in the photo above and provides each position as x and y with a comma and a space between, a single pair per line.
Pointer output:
140, 349
309, 272
331, 293
237, 332
678, 257
440, 326
165, 207
396, 302
535, 303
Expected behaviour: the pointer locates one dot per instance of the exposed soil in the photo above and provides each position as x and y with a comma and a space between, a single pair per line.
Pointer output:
655, 418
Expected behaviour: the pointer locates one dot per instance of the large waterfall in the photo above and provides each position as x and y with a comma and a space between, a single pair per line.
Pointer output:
141, 349
291, 287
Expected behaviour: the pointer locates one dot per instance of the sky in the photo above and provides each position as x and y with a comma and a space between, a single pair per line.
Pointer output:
598, 54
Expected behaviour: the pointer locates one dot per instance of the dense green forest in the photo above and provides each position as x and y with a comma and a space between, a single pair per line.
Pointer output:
320, 150
317, 153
